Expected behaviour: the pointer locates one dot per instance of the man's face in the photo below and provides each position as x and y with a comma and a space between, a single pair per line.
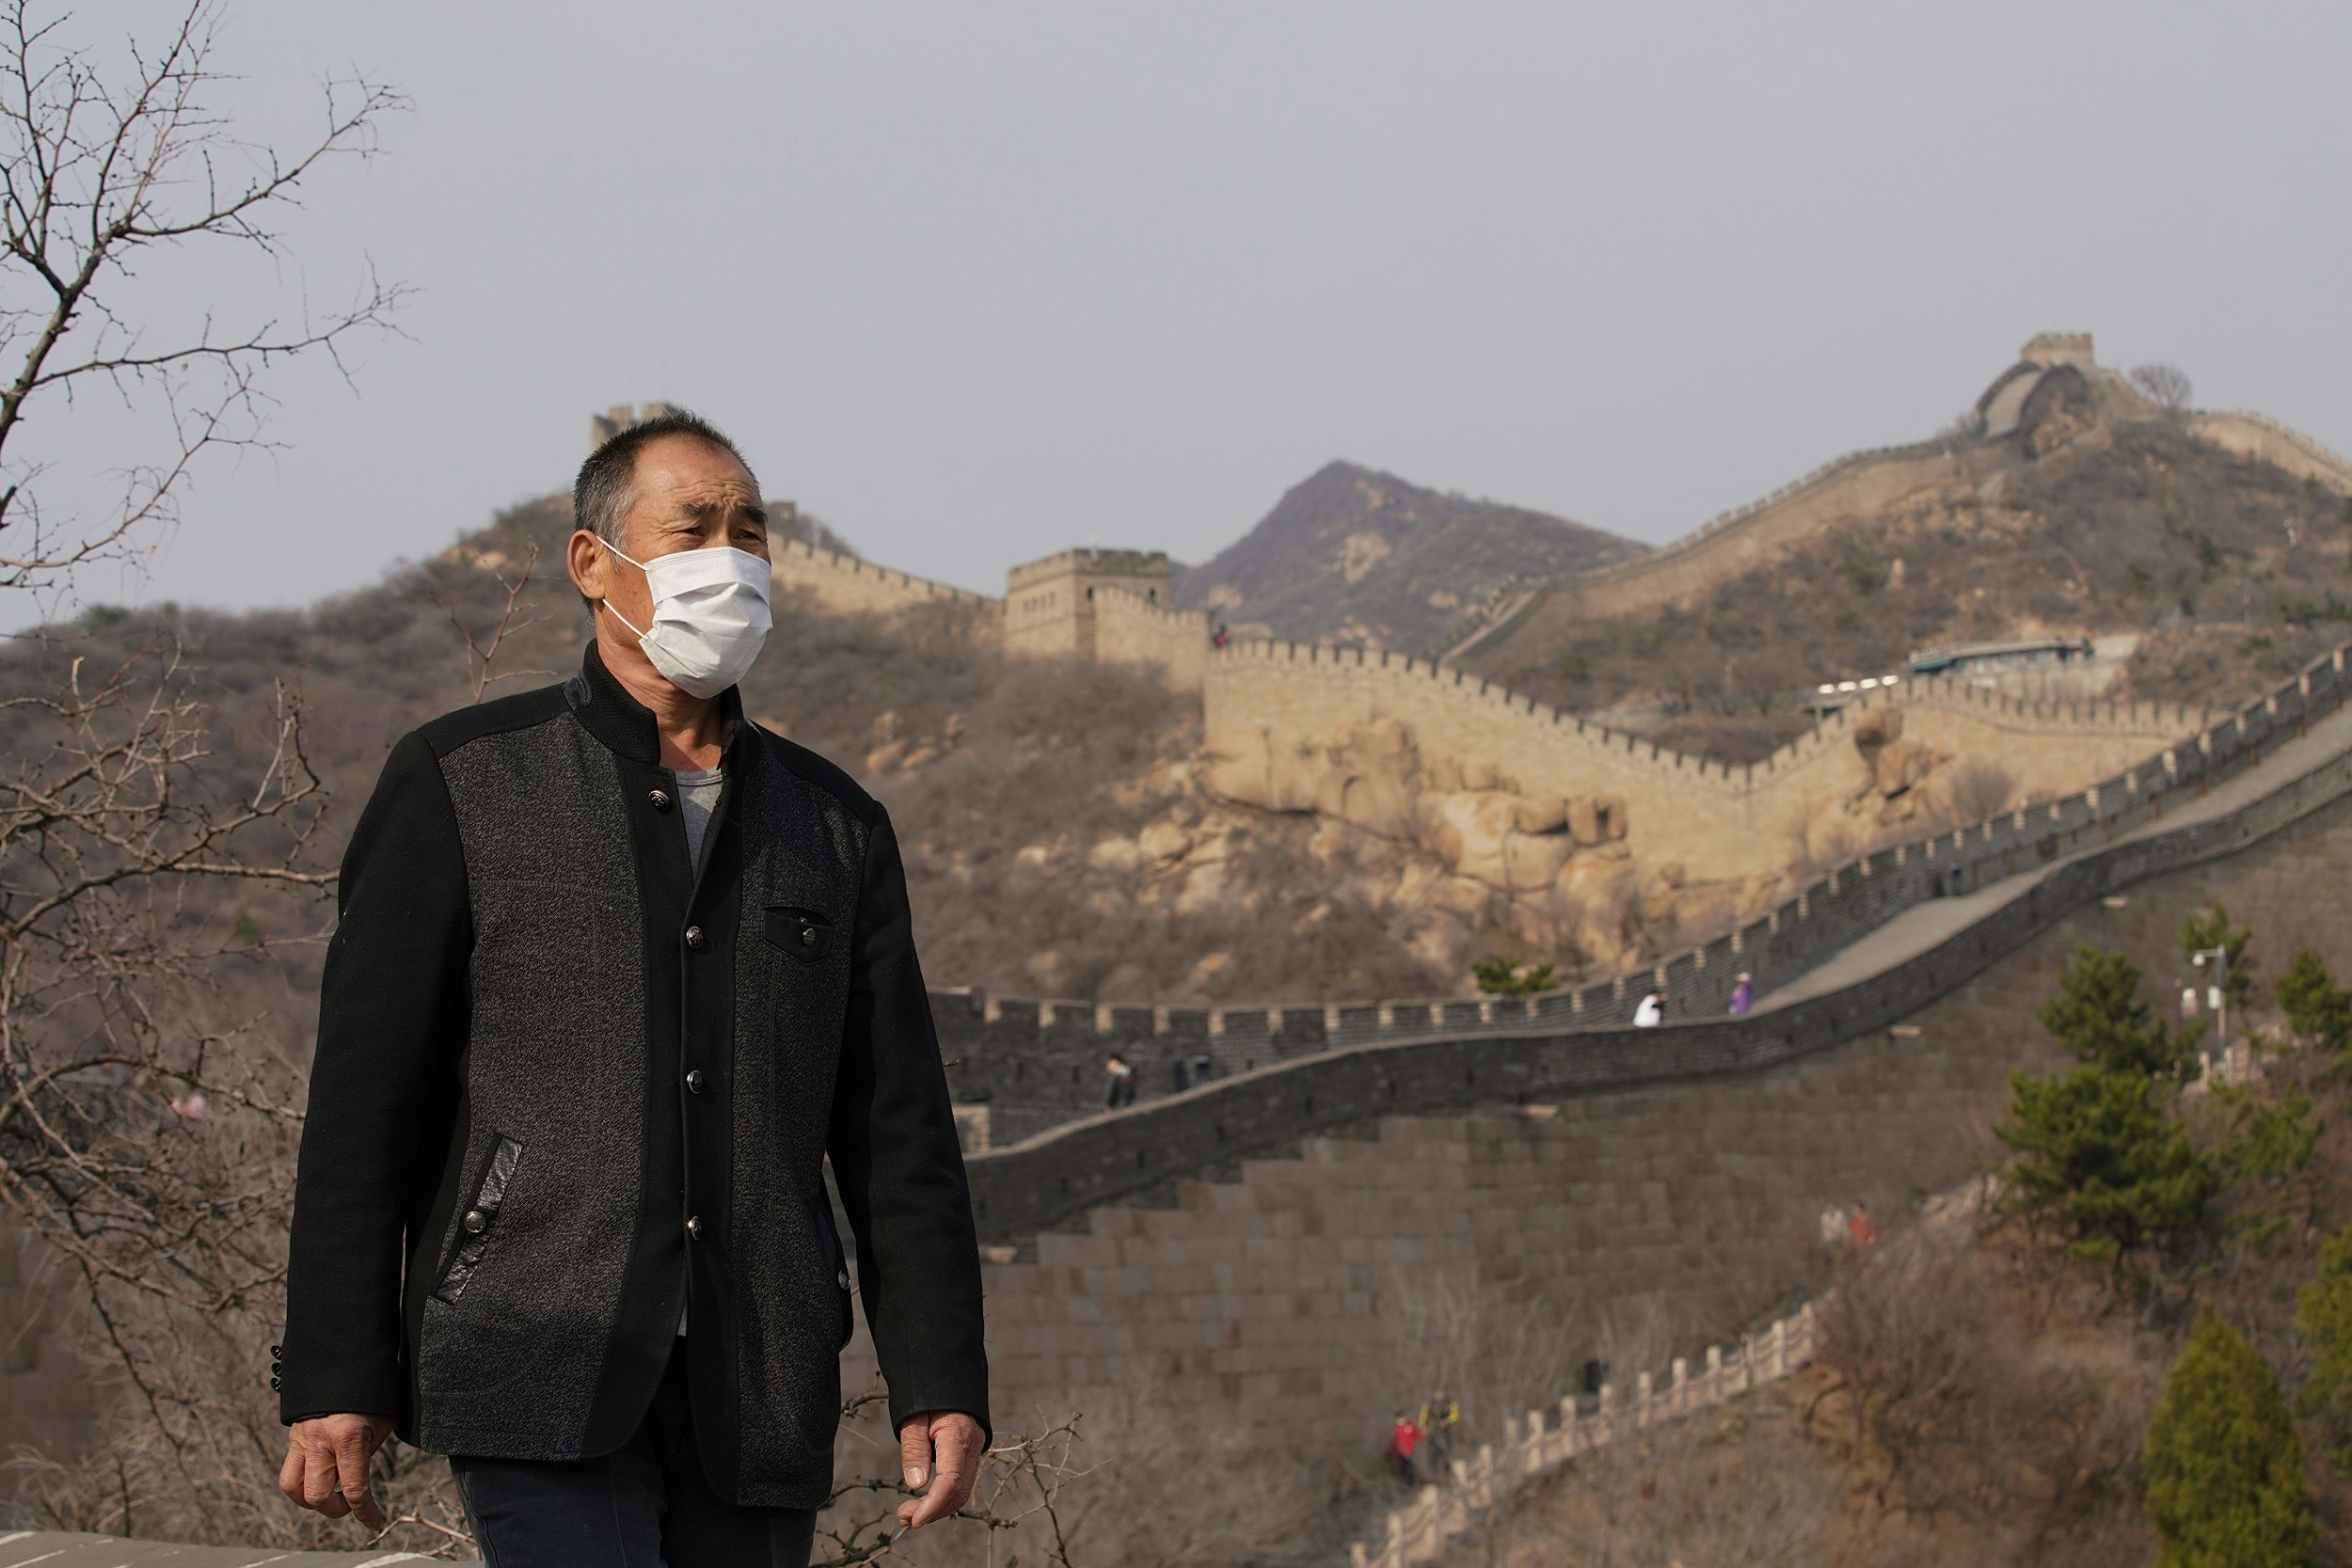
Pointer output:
689, 496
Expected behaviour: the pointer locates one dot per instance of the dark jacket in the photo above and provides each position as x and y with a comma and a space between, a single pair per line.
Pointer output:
565, 1086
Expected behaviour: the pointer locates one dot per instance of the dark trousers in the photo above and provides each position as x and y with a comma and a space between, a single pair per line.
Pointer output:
645, 1505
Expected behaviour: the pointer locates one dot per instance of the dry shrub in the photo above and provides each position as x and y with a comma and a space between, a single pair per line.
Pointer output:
1735, 1487
1978, 1431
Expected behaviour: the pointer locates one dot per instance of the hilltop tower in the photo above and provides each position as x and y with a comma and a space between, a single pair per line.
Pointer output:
621, 416
1049, 604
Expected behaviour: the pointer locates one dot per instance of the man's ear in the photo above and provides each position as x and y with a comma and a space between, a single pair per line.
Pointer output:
589, 563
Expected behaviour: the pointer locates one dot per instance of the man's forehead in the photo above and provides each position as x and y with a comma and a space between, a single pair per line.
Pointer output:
688, 463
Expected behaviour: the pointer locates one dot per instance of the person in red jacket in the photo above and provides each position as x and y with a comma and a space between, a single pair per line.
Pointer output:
1402, 1443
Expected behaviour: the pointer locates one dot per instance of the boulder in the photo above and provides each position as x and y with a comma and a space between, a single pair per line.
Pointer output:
1596, 819
1541, 814
1899, 765
1477, 833
1163, 842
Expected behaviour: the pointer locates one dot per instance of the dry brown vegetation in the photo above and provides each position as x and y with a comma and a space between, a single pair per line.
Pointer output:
2233, 572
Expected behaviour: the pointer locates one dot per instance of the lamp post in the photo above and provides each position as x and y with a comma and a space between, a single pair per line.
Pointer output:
2220, 957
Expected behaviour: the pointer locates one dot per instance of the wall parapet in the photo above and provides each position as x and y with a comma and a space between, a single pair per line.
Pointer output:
2311, 446
1323, 1065
835, 577
1538, 1445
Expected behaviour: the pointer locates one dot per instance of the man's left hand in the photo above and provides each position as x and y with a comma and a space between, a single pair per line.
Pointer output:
941, 1450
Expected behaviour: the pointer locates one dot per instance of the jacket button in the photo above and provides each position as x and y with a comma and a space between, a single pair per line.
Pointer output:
273, 1384
694, 938
659, 797
695, 1082
842, 1279
474, 1221
808, 936
694, 1228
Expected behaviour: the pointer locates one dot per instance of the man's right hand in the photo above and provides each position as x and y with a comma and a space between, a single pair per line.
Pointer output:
326, 1465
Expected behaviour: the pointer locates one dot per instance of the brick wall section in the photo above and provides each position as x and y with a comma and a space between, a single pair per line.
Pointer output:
848, 585
2259, 436
1690, 1205
1038, 1064
1130, 628
1269, 703
1579, 1042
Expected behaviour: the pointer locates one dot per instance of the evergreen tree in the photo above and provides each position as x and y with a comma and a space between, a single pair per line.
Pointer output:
2225, 1485
2317, 1009
2100, 1160
2323, 1315
2098, 1017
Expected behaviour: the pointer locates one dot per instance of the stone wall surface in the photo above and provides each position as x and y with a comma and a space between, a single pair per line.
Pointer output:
850, 586
1130, 628
1940, 912
2258, 435
1663, 1213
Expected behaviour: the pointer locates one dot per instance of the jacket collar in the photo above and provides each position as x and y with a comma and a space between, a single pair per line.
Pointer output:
625, 725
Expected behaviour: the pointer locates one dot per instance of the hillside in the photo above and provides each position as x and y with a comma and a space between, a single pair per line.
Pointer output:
1352, 554
2229, 571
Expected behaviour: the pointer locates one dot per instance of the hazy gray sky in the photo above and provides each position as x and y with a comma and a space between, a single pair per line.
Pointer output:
977, 282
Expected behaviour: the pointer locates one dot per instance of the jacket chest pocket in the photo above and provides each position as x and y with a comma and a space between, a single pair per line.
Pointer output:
805, 934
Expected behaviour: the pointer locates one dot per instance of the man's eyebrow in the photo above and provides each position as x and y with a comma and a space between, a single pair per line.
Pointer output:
699, 509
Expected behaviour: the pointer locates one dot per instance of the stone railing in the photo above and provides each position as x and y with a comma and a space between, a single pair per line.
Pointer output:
1419, 1532
1321, 1068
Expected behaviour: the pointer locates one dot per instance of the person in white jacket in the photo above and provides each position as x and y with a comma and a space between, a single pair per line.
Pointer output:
1651, 1013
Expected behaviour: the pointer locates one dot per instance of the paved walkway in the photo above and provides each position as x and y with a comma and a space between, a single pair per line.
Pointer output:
1920, 927
51, 1549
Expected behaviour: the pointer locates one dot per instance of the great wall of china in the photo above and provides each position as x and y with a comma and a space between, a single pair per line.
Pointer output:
1239, 1245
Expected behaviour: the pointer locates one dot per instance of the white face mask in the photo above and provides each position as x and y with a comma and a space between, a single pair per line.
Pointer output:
709, 616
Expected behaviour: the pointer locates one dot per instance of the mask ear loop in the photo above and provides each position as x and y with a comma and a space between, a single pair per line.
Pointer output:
606, 605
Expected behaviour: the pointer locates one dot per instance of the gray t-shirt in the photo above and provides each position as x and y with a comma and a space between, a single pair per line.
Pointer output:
697, 798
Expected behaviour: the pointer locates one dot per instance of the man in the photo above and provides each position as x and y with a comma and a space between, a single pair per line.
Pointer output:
617, 971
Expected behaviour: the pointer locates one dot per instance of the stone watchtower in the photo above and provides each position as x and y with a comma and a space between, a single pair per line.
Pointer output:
603, 427
1049, 604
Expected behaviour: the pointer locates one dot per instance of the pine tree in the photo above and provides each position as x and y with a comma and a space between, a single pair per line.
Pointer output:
2317, 1009
2225, 1485
2098, 1017
2100, 1160
2323, 1315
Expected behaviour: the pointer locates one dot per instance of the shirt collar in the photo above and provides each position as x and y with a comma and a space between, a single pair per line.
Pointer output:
625, 725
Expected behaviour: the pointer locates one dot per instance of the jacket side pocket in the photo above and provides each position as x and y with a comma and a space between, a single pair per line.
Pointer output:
474, 1225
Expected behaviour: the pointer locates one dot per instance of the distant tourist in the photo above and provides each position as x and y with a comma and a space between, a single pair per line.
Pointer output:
1743, 994
1123, 1084
1651, 1012
1859, 1230
1220, 639
1402, 1442
1833, 1227
1439, 1415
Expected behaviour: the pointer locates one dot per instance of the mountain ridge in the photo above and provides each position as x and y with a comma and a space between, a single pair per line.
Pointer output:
1355, 554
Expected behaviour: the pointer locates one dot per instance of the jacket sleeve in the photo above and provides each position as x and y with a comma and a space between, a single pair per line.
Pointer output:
899, 1165
392, 1007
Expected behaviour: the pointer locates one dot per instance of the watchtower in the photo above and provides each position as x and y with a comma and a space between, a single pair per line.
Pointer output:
1049, 604
2057, 348
603, 427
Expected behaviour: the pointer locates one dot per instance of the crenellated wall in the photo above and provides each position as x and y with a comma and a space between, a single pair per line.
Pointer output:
1278, 715
848, 585
1130, 628
1038, 1065
2261, 436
